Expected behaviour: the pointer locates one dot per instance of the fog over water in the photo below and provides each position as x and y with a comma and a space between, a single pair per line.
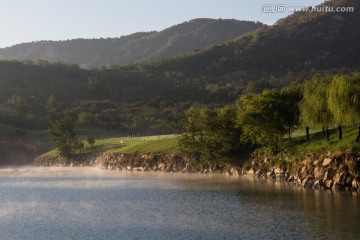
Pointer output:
89, 203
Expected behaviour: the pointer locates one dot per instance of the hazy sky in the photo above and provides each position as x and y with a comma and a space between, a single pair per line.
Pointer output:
32, 20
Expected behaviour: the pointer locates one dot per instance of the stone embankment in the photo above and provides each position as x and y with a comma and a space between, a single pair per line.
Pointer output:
332, 171
81, 160
138, 162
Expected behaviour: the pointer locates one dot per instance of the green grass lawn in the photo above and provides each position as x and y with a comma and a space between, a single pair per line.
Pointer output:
163, 144
105, 141
299, 144
112, 142
301, 131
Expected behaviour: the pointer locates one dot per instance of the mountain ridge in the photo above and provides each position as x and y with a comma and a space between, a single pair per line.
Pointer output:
299, 42
138, 47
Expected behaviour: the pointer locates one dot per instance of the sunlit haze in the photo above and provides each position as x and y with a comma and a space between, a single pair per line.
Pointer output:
33, 20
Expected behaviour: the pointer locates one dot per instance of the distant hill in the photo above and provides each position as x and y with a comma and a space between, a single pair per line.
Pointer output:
302, 42
138, 47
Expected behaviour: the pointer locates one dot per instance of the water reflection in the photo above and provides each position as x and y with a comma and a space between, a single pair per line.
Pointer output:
88, 203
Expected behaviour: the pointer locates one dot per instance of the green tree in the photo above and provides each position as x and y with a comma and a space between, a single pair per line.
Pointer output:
290, 97
192, 131
314, 108
210, 134
222, 137
90, 140
64, 138
263, 118
344, 100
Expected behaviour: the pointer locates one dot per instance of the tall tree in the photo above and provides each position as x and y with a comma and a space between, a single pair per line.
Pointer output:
314, 108
64, 138
290, 97
192, 129
263, 119
344, 100
210, 134
222, 137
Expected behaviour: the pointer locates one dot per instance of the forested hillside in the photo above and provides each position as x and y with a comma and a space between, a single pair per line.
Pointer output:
151, 97
302, 42
138, 47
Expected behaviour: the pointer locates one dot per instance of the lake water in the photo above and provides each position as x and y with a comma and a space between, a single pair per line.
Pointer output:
89, 203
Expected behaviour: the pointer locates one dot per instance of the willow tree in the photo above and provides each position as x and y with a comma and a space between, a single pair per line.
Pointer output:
344, 100
338, 100
354, 106
290, 97
313, 107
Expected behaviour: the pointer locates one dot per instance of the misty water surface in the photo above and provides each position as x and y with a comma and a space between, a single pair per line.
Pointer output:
89, 203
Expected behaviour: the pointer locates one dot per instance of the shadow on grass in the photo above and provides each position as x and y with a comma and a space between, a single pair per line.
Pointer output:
317, 142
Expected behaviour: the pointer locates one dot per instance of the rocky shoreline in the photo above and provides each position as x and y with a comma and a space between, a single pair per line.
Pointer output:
139, 162
332, 171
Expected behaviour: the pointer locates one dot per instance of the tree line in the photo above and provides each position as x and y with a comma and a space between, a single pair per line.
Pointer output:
268, 119
328, 101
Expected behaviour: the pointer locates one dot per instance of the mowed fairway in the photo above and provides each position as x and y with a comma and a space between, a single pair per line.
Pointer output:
162, 143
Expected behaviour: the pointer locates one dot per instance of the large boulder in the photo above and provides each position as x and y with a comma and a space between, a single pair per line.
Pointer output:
340, 178
329, 184
316, 162
234, 171
308, 182
327, 162
161, 166
319, 183
348, 181
317, 172
271, 174
328, 174
355, 186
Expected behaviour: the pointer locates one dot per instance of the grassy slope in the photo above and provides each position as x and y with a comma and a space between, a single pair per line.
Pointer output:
105, 141
169, 144
300, 145
163, 144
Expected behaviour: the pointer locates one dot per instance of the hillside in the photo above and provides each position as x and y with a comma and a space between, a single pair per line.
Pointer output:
138, 47
302, 42
151, 97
